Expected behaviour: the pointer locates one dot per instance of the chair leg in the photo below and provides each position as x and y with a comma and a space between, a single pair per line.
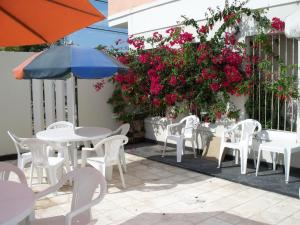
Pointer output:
179, 150
123, 159
236, 156
287, 164
274, 160
39, 172
31, 174
244, 159
51, 176
254, 157
194, 150
121, 175
164, 149
258, 161
220, 155
83, 158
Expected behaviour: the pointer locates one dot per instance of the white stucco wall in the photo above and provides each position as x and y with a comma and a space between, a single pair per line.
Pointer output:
93, 109
15, 110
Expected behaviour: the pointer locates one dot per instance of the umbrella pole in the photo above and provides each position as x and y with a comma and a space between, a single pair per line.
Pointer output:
73, 100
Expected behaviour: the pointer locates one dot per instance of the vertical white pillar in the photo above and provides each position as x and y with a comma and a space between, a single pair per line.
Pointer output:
60, 92
71, 100
49, 101
38, 106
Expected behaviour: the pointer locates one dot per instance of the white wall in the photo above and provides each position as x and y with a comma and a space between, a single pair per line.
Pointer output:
162, 14
15, 110
93, 109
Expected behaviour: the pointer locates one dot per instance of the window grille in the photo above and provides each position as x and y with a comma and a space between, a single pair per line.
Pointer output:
263, 105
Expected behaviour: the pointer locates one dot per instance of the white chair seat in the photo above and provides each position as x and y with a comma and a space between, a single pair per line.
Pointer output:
111, 147
281, 147
57, 220
241, 136
96, 159
27, 155
184, 130
55, 161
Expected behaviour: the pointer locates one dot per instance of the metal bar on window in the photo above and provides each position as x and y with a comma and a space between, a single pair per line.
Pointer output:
278, 100
285, 102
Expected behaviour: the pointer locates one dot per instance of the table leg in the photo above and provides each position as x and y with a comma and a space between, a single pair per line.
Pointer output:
74, 150
66, 156
108, 172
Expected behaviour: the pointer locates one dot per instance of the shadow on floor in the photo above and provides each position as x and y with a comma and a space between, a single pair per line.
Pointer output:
267, 179
205, 218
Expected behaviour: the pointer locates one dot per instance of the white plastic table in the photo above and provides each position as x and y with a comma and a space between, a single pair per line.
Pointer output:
69, 135
16, 202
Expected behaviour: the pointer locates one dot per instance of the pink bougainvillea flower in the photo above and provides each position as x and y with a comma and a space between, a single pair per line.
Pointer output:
277, 24
99, 85
214, 86
280, 88
203, 29
173, 80
171, 99
156, 102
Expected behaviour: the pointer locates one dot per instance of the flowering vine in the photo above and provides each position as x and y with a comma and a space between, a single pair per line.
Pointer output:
199, 70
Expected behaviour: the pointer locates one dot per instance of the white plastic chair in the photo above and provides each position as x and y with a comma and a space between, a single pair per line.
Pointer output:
7, 168
85, 182
60, 124
41, 160
122, 130
24, 155
111, 147
61, 148
240, 136
180, 132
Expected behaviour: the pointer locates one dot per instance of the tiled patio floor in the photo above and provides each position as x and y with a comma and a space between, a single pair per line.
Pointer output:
158, 194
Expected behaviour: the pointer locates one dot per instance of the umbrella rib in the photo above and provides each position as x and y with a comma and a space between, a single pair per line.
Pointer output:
73, 8
23, 24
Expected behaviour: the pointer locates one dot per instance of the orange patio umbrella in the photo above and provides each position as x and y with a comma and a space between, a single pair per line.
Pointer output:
28, 22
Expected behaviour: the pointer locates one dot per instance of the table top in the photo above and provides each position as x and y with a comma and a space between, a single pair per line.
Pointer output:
71, 135
16, 202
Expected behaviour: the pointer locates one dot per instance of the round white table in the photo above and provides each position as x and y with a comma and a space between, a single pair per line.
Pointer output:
16, 202
69, 135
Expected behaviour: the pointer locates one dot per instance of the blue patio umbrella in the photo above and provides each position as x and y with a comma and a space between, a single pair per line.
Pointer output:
63, 62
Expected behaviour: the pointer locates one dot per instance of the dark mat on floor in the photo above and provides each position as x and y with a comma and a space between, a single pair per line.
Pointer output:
267, 180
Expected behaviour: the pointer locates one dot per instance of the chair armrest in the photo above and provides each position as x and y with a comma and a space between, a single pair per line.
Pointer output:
87, 149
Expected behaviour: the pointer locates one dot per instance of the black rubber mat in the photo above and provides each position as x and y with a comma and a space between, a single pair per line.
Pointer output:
267, 179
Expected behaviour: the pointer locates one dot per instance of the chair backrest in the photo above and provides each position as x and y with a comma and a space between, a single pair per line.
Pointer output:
122, 130
17, 142
60, 124
191, 123
85, 182
111, 147
249, 127
6, 169
38, 150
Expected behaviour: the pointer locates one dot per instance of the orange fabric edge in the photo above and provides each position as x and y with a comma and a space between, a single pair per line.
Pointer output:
19, 70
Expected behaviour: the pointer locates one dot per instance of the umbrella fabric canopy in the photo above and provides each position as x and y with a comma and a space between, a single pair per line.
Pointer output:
28, 22
60, 61
292, 25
